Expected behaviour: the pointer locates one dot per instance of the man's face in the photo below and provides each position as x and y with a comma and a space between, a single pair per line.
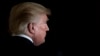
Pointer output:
40, 29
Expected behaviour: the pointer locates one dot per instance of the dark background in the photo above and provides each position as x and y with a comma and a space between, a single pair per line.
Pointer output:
54, 41
98, 16
57, 22
69, 25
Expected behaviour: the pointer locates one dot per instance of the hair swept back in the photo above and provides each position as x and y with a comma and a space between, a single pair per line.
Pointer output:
23, 13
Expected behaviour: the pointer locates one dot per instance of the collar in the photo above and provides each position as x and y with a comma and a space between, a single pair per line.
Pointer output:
24, 36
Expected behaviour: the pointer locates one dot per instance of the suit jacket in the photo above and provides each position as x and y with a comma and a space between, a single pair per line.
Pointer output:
16, 45
20, 42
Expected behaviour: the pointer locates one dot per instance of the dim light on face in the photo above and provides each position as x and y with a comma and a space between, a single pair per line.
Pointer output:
40, 29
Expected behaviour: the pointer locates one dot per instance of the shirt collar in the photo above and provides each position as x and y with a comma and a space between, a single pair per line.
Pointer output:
24, 36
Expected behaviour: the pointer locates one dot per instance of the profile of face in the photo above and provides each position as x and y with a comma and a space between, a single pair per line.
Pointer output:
40, 29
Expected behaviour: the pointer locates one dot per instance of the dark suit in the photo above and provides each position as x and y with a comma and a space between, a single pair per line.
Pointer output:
17, 45
20, 42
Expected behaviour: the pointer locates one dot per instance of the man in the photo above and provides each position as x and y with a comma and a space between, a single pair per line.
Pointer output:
28, 26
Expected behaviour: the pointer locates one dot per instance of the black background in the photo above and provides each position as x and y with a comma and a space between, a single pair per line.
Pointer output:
69, 24
56, 23
98, 16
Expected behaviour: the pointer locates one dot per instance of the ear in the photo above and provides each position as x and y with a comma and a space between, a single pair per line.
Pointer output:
31, 28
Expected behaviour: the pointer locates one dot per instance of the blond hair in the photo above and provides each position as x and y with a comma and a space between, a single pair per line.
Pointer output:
23, 13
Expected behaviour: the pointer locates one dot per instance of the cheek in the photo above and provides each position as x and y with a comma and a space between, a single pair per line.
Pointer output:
40, 30
42, 27
40, 33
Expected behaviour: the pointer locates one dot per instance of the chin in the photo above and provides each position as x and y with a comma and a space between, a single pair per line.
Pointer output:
42, 42
39, 43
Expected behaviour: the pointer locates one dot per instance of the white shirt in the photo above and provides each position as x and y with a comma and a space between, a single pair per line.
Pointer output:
24, 36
